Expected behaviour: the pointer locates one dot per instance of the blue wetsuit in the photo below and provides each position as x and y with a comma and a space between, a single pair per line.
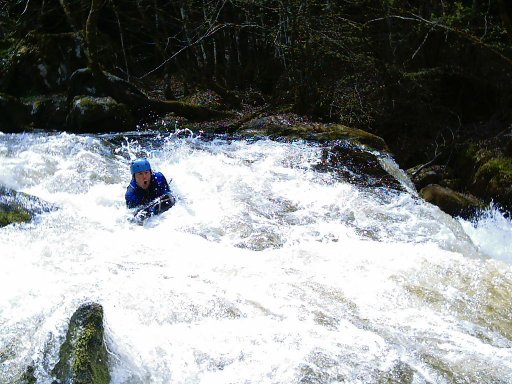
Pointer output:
146, 199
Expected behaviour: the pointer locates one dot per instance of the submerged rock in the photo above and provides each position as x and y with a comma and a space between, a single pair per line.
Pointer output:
83, 356
18, 207
451, 202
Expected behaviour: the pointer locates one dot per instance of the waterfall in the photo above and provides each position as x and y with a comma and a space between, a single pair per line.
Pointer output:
265, 270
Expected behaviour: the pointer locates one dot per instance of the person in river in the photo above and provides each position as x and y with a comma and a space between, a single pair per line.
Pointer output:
148, 191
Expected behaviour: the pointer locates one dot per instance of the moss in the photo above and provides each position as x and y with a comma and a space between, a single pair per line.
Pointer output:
90, 367
501, 166
83, 356
360, 136
275, 128
14, 216
496, 174
98, 114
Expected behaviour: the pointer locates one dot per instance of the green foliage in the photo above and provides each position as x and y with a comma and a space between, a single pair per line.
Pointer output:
83, 356
496, 168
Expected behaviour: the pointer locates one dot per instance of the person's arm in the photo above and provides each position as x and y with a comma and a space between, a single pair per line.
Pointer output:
132, 201
165, 199
163, 185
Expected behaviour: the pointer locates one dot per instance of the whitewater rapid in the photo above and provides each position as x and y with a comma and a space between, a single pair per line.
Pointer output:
265, 271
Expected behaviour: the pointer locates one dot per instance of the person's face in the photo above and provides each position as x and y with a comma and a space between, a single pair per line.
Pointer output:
143, 178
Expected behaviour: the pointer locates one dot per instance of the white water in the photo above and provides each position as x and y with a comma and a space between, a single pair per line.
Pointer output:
264, 272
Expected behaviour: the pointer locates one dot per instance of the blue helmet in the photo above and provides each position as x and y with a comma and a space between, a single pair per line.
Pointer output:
140, 165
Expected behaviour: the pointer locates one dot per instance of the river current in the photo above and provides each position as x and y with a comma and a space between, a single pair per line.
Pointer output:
265, 270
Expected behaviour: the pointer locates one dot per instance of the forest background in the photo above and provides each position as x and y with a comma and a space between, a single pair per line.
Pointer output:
433, 78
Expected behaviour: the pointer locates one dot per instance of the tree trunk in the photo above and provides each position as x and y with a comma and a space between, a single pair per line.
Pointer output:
91, 35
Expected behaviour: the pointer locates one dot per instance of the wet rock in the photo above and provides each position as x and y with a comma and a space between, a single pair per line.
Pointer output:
15, 116
493, 180
10, 214
357, 166
451, 202
83, 356
18, 207
98, 114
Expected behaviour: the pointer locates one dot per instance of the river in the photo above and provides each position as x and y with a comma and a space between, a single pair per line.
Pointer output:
265, 271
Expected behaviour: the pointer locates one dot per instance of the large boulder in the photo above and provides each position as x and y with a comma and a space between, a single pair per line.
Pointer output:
451, 202
89, 114
18, 207
83, 357
291, 127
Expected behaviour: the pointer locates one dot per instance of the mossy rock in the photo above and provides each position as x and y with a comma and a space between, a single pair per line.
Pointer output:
83, 356
13, 214
493, 180
89, 114
278, 127
451, 202
19, 207
49, 111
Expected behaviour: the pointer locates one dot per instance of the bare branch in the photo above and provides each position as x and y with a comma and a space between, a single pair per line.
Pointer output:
208, 33
473, 39
422, 43
26, 7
